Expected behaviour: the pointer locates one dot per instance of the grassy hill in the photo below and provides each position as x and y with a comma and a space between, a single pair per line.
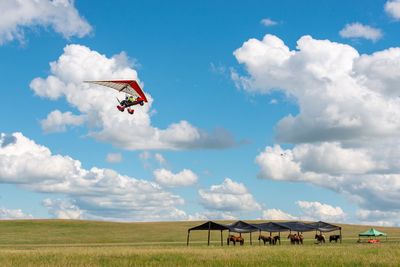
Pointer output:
86, 232
91, 243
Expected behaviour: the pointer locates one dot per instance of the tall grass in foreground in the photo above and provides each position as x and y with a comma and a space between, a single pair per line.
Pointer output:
329, 255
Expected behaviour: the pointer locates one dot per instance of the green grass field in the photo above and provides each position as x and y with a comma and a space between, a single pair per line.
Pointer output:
90, 243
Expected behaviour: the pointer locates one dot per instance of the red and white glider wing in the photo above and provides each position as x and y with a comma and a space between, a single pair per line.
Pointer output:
130, 87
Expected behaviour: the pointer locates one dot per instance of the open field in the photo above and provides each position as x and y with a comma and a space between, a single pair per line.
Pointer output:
88, 243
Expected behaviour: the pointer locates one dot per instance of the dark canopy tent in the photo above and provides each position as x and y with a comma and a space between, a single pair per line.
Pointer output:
208, 226
296, 226
324, 227
271, 227
242, 227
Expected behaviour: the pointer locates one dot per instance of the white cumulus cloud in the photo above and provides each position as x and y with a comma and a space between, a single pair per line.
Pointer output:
328, 80
97, 105
211, 215
317, 211
392, 8
332, 158
62, 209
60, 15
345, 134
100, 193
229, 196
167, 178
358, 30
378, 217
277, 164
308, 211
370, 179
57, 121
277, 214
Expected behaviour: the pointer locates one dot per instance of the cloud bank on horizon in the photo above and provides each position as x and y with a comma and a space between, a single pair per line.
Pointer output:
97, 193
310, 211
104, 194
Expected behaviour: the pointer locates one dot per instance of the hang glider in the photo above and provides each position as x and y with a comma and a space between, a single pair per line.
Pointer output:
134, 94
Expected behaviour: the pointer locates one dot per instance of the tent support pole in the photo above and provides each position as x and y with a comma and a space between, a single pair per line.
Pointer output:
279, 238
251, 241
340, 229
187, 242
222, 243
229, 234
209, 230
270, 238
259, 239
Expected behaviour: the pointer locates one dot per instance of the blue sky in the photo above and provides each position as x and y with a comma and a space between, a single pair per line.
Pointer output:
249, 118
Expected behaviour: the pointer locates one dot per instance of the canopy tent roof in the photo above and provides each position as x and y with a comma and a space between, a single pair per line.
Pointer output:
242, 227
296, 226
271, 227
324, 227
372, 232
210, 225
